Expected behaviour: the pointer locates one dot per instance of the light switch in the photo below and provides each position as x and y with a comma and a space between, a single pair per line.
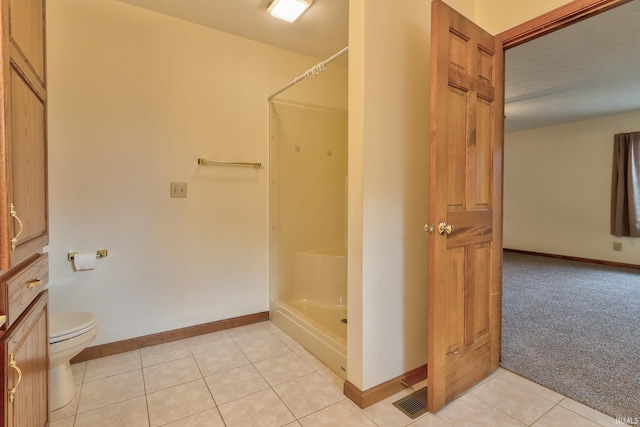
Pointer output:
178, 189
617, 246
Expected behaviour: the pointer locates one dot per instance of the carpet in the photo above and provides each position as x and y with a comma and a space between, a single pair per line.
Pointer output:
574, 327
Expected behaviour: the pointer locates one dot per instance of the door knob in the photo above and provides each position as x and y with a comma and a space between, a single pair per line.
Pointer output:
444, 228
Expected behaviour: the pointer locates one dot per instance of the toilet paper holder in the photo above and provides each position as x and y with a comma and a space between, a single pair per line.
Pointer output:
100, 253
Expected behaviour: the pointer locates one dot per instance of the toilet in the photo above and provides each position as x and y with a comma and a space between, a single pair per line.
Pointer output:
69, 334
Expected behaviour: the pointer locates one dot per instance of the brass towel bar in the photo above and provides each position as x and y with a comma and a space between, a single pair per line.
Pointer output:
206, 162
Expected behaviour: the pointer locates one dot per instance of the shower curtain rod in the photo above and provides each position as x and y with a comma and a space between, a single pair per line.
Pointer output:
311, 72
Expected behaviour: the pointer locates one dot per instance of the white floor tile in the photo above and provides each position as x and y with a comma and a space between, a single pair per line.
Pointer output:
531, 386
263, 348
308, 394
235, 383
130, 413
258, 375
513, 400
589, 413
220, 360
109, 390
263, 408
175, 403
470, 411
430, 420
65, 422
164, 352
282, 368
385, 414
209, 342
208, 418
112, 365
343, 414
249, 332
561, 417
169, 374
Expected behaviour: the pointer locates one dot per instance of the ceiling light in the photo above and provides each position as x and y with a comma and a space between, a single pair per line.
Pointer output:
288, 10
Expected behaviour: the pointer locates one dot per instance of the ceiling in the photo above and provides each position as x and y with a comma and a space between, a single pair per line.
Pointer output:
586, 70
320, 32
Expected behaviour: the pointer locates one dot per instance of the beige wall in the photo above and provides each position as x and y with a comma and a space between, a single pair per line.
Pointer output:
557, 189
496, 16
388, 176
135, 98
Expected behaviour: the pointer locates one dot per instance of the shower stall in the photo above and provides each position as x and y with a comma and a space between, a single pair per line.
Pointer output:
308, 228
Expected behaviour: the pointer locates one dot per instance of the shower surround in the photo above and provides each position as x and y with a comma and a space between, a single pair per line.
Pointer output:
308, 229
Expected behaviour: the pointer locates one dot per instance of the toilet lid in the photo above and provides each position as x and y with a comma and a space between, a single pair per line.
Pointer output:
64, 326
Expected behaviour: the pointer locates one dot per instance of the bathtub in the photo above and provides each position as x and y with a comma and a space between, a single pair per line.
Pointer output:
314, 311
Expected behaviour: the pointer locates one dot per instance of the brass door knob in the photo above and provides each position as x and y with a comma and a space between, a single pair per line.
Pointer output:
444, 228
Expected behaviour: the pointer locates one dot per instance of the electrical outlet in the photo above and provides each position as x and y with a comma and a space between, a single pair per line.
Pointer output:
617, 246
178, 189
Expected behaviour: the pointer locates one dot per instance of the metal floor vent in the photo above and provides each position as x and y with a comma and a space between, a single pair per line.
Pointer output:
414, 404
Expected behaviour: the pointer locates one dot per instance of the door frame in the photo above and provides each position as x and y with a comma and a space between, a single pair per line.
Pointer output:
554, 20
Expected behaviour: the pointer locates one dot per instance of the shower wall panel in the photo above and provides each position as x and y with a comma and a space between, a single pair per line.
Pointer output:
308, 188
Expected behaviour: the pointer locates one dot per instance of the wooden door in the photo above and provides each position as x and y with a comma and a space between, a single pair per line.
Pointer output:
465, 252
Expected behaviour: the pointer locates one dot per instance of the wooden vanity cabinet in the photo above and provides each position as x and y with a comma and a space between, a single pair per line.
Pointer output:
24, 332
25, 355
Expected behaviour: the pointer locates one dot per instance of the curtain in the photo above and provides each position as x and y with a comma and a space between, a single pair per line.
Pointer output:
625, 192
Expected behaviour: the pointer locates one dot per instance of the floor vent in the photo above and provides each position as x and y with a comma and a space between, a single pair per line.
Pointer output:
414, 404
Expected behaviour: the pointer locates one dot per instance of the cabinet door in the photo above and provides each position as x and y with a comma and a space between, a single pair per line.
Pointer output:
27, 35
26, 382
27, 169
23, 162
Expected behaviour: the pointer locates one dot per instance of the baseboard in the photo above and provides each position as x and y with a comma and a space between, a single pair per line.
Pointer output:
380, 392
573, 258
168, 336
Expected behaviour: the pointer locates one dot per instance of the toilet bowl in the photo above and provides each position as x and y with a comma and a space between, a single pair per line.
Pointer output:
69, 334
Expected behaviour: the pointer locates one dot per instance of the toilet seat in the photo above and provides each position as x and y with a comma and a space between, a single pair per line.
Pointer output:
64, 326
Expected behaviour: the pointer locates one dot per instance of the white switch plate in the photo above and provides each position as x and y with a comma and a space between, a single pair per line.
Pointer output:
178, 189
617, 246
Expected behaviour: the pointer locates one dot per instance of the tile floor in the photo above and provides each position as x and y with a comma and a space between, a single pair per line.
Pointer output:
257, 375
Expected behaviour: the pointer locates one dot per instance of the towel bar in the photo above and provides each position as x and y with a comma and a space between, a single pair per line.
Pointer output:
205, 162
